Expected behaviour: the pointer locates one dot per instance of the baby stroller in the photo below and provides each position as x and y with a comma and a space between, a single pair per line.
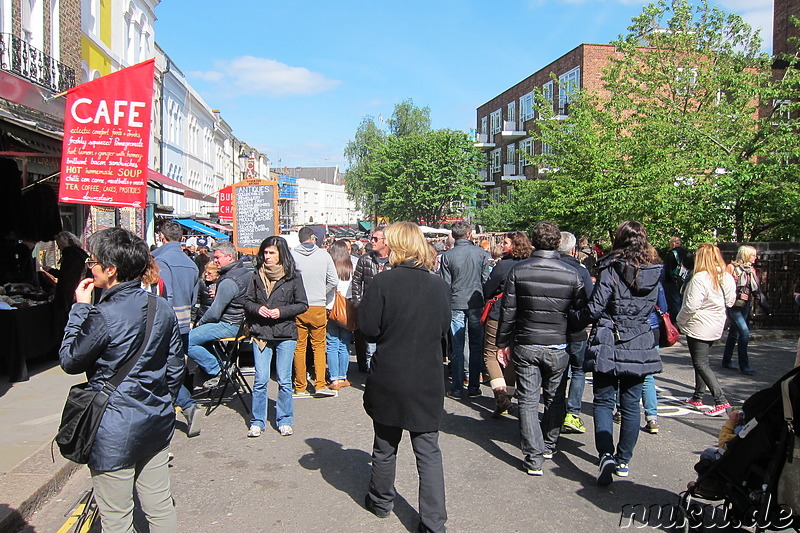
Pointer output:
743, 484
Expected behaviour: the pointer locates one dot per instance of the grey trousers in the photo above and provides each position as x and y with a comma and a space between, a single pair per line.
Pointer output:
432, 513
113, 492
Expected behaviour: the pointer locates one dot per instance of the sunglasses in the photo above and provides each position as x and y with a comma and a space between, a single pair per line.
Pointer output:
91, 262
376, 239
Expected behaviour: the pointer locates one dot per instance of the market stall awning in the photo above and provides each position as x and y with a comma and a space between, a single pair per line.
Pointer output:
221, 227
202, 228
157, 180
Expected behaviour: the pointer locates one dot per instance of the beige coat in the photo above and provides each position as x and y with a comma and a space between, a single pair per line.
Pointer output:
702, 314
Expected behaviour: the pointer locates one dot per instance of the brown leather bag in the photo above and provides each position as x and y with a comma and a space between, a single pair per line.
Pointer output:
343, 312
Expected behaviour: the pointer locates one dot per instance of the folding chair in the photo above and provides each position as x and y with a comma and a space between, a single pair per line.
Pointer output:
227, 353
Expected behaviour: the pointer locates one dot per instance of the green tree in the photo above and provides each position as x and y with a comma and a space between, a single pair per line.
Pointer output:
423, 176
695, 134
358, 152
408, 118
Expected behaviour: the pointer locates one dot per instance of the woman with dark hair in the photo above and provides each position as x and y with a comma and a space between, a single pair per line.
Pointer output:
516, 248
274, 297
337, 336
406, 311
130, 449
622, 348
70, 272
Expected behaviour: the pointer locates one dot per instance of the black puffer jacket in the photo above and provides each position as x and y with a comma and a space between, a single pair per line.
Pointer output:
288, 296
539, 292
621, 342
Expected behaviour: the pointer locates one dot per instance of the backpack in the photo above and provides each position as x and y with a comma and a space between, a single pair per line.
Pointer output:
680, 272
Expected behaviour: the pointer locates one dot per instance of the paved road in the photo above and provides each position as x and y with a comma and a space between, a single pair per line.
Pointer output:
315, 480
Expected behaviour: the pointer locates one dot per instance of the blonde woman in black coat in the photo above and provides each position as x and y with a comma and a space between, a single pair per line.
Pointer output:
406, 312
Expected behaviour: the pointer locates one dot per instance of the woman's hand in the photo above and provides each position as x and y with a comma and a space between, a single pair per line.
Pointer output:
84, 291
269, 313
504, 356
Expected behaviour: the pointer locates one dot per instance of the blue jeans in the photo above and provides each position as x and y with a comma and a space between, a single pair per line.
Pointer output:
650, 398
606, 387
540, 371
284, 358
205, 334
738, 331
337, 339
466, 320
184, 398
577, 382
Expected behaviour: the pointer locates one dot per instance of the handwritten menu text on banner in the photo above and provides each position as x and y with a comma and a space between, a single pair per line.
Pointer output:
107, 139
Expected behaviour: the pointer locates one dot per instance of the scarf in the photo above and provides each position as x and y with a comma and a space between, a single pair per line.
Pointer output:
269, 274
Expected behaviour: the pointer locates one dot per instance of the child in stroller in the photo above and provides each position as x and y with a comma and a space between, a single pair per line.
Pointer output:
757, 442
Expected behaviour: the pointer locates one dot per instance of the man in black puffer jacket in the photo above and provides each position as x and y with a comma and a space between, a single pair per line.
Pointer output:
533, 317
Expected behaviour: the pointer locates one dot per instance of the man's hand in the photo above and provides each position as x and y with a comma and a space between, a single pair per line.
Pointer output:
504, 356
84, 291
269, 313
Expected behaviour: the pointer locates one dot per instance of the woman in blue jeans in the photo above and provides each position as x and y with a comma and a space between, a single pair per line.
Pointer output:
622, 349
337, 337
274, 297
748, 286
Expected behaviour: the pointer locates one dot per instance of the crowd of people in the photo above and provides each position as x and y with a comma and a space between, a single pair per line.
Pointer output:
528, 318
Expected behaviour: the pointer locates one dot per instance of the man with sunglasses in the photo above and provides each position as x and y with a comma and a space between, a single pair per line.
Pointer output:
369, 265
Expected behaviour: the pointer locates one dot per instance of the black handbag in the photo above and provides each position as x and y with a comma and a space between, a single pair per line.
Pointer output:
84, 407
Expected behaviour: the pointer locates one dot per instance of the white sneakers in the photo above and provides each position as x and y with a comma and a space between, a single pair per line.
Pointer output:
255, 431
285, 431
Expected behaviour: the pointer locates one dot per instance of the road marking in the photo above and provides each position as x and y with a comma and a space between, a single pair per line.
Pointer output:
42, 420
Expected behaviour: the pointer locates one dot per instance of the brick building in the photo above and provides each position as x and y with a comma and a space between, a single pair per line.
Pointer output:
504, 122
782, 27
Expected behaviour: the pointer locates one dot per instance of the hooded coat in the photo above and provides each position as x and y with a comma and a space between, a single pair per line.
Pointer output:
621, 342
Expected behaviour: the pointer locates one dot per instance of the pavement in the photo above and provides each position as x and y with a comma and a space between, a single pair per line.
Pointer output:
224, 481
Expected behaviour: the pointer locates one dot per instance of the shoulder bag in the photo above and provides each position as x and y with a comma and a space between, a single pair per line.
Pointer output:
343, 312
668, 334
84, 408
487, 308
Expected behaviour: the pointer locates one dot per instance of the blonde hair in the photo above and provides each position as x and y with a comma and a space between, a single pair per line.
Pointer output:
407, 243
709, 259
745, 256
211, 268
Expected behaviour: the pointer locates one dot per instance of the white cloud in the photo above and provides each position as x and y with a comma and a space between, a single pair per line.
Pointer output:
268, 77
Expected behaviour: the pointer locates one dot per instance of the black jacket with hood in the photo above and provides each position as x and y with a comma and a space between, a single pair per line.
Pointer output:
621, 342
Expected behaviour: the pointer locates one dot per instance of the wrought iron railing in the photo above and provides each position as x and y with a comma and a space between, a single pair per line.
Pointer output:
26, 61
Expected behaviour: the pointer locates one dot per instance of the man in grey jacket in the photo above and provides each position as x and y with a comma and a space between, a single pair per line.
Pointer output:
319, 281
465, 267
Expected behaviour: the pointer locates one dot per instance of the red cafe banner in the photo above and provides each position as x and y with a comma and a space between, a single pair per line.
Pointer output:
107, 139
226, 203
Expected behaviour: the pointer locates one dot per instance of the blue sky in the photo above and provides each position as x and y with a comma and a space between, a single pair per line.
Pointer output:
295, 78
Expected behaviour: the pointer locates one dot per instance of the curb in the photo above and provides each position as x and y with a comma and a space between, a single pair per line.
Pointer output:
24, 489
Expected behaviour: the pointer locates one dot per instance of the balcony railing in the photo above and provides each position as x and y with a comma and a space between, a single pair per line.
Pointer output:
22, 59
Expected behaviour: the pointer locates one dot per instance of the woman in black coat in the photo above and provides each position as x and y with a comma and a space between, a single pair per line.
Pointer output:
274, 297
406, 312
622, 348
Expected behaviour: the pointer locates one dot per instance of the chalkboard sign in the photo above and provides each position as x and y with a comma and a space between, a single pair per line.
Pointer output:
255, 204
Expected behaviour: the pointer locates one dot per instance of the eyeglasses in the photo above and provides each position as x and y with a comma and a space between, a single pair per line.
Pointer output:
91, 262
374, 239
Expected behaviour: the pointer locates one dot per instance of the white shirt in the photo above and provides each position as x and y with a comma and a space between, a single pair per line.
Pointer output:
702, 314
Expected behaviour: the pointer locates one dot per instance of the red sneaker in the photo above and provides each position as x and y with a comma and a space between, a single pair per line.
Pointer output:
697, 404
718, 410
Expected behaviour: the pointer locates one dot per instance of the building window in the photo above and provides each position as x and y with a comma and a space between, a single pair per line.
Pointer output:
547, 149
783, 111
496, 160
511, 112
484, 128
569, 84
511, 153
685, 81
497, 121
526, 108
547, 92
495, 193
526, 151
